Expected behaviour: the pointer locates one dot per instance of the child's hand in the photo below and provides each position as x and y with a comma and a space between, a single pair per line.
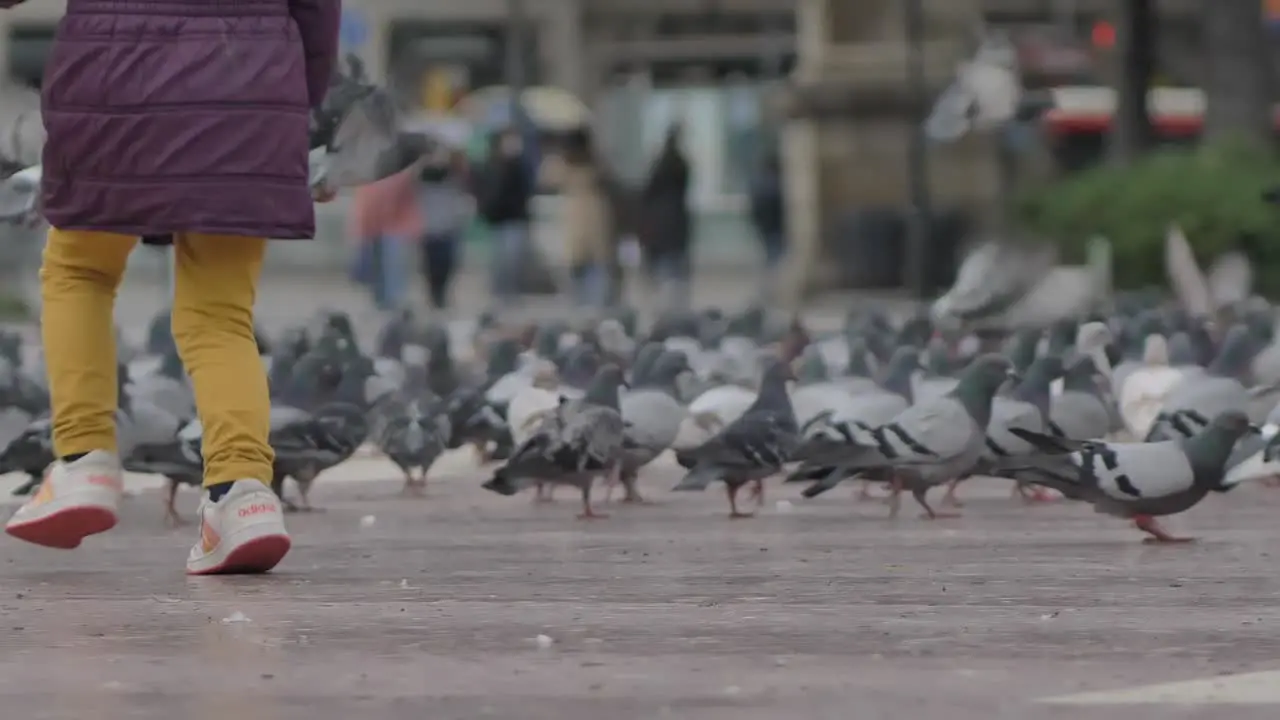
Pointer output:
323, 193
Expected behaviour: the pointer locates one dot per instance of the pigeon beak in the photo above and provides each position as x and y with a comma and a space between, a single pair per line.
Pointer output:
1014, 375
1255, 429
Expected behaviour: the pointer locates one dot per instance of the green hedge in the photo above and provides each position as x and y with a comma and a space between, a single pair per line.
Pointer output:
1213, 192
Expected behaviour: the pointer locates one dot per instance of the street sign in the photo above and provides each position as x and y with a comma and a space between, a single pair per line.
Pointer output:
354, 30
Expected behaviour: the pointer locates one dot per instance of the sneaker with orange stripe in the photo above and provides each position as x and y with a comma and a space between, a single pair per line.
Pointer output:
243, 532
75, 500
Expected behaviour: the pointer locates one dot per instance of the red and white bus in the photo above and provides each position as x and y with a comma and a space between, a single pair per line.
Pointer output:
1076, 120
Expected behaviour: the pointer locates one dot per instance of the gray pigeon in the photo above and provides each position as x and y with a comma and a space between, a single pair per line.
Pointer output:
22, 401
167, 387
645, 357
1194, 402
1022, 348
931, 443
307, 444
29, 453
1182, 352
752, 447
581, 440
1140, 481
1081, 412
938, 379
613, 340
874, 408
653, 414
413, 437
1025, 405
859, 376
141, 424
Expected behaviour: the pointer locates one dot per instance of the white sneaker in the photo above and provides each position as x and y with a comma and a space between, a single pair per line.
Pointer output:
241, 533
75, 500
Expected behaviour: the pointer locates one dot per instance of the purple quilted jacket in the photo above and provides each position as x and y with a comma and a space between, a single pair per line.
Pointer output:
169, 116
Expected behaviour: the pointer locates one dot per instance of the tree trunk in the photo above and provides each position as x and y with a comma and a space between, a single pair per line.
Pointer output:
1238, 78
1136, 34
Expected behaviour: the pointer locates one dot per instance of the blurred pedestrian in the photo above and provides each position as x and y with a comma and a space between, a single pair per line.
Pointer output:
446, 209
665, 222
768, 215
586, 220
187, 121
504, 189
386, 224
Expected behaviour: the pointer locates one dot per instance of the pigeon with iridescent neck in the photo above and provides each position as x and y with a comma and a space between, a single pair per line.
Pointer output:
1192, 404
753, 447
932, 442
1139, 481
575, 444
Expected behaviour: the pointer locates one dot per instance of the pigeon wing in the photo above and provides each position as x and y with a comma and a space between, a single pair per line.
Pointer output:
1132, 471
1007, 413
755, 440
927, 433
594, 432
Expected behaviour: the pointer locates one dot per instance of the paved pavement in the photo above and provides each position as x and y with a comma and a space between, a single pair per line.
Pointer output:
394, 609
391, 608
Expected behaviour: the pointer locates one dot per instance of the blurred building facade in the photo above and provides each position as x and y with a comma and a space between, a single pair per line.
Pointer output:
714, 66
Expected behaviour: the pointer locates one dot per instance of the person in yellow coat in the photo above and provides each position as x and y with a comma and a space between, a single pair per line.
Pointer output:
586, 219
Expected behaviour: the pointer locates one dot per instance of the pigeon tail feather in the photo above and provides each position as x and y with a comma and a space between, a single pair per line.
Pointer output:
698, 478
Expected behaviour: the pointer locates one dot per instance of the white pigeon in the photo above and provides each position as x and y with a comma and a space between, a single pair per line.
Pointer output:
710, 412
1092, 339
1188, 281
1146, 388
816, 392
533, 403
653, 416
505, 388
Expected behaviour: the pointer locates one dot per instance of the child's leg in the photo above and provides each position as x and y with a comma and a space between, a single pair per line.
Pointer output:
79, 276
216, 281
80, 494
241, 522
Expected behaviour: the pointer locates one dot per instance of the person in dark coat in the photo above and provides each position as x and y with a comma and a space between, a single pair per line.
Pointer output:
768, 215
442, 194
190, 119
665, 224
503, 192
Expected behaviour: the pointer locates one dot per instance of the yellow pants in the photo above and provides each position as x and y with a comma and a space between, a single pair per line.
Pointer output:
215, 280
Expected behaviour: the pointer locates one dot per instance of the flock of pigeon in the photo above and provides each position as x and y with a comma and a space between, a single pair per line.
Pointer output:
1141, 414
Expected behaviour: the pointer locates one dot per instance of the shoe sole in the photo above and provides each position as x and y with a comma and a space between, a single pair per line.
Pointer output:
250, 557
65, 529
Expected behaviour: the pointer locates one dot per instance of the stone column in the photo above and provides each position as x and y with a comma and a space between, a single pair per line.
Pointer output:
801, 166
561, 45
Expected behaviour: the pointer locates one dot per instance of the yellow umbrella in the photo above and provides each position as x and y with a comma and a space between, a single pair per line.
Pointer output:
550, 108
